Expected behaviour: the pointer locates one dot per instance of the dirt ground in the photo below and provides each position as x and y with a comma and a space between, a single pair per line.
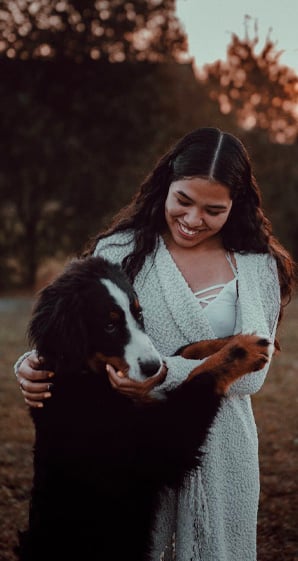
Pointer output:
275, 409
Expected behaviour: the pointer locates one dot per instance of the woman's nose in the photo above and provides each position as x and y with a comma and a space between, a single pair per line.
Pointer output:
193, 219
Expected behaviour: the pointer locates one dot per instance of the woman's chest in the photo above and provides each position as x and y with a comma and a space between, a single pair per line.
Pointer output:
201, 272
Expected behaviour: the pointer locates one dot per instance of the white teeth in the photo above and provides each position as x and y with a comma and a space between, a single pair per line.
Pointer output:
187, 230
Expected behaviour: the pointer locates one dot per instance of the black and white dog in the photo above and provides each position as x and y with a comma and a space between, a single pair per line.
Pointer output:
100, 458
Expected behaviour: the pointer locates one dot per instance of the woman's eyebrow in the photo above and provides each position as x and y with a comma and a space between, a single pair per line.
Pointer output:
185, 196
218, 207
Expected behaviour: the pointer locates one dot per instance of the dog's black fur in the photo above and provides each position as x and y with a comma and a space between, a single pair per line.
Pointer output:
100, 459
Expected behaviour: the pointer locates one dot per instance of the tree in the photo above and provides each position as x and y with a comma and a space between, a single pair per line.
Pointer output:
78, 139
260, 91
113, 30
275, 167
69, 127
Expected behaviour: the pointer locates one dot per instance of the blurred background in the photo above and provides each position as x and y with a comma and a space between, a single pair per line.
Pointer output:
92, 92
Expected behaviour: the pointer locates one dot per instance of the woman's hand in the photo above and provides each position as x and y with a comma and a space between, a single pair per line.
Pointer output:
140, 391
33, 381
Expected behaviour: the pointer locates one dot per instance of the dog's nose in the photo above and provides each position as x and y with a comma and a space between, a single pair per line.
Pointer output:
149, 367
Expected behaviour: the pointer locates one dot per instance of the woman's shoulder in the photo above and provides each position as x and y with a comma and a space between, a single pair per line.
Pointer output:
261, 276
260, 268
259, 261
116, 246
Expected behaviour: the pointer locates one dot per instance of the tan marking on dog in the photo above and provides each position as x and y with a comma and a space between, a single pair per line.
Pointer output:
114, 315
202, 349
227, 370
99, 359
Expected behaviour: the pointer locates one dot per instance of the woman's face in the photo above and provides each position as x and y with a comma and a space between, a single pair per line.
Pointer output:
196, 210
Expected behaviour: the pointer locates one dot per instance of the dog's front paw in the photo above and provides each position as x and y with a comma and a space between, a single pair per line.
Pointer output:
251, 351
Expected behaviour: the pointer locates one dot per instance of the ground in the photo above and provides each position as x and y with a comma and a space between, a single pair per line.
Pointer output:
275, 408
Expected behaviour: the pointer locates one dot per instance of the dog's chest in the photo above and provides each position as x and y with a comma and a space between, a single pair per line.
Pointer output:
89, 426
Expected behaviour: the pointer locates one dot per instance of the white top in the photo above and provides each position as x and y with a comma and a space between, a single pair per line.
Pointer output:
219, 304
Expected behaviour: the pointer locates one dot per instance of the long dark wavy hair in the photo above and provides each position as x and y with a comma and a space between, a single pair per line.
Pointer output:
217, 156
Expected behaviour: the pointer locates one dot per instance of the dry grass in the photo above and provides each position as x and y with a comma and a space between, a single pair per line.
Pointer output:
276, 414
16, 434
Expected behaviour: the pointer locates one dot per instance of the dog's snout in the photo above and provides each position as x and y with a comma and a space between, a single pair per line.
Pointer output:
149, 367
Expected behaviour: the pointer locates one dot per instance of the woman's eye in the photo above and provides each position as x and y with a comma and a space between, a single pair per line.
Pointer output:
183, 203
212, 213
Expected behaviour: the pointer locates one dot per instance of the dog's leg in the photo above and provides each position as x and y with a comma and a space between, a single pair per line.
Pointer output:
202, 349
241, 355
179, 425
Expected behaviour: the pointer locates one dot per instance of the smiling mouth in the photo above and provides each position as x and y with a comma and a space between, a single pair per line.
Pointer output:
189, 231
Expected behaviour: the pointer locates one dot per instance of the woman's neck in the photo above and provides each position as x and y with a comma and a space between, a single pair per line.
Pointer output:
203, 265
206, 246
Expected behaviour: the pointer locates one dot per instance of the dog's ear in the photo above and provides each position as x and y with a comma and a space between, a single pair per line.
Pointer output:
57, 329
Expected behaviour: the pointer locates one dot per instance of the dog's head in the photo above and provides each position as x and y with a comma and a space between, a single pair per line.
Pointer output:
90, 315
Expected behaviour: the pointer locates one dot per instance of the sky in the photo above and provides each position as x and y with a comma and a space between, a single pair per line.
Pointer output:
209, 24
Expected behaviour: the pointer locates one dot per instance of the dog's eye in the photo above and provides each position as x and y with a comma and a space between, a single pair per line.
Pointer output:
110, 327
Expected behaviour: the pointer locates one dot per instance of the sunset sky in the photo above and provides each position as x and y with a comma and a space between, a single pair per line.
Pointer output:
209, 24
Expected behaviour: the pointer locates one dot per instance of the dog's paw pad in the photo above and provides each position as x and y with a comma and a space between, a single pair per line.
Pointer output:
237, 352
263, 342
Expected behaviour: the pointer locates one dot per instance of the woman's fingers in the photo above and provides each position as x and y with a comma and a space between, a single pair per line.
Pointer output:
30, 369
34, 389
134, 388
34, 393
33, 403
122, 383
34, 383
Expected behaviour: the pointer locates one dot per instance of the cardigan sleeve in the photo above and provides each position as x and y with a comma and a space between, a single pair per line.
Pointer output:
178, 370
269, 288
249, 384
115, 247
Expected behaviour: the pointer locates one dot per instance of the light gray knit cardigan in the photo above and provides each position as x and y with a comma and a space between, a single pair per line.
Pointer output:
213, 517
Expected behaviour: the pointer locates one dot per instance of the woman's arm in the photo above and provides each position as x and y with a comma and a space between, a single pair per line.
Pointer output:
269, 289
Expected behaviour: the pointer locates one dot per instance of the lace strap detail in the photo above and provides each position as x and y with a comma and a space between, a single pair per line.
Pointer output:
229, 259
213, 287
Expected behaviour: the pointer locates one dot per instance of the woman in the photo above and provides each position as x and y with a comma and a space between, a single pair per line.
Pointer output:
199, 250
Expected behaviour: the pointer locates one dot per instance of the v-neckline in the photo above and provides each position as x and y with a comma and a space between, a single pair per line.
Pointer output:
190, 318
180, 297
210, 299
